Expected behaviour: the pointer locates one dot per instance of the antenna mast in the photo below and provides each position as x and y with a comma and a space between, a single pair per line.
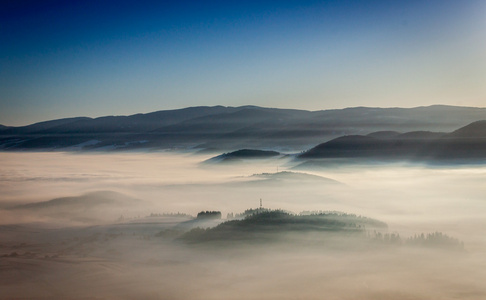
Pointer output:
261, 206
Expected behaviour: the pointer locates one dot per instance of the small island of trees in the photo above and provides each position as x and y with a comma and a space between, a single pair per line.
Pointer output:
263, 225
209, 215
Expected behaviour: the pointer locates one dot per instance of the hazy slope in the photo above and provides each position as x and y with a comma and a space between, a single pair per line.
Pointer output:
287, 177
91, 208
43, 126
430, 118
133, 123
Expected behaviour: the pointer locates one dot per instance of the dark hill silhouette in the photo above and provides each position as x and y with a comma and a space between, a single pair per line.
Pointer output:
349, 146
243, 154
43, 126
426, 135
266, 225
473, 130
383, 134
430, 118
227, 122
467, 144
135, 123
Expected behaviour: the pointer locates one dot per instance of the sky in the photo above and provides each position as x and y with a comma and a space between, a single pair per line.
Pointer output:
94, 58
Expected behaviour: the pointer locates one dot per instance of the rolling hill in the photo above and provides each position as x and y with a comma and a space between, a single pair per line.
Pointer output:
267, 225
91, 208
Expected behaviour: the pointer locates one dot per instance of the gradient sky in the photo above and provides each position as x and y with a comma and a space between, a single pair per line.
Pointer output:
93, 58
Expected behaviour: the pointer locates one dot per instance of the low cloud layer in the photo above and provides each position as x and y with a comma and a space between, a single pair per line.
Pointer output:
125, 256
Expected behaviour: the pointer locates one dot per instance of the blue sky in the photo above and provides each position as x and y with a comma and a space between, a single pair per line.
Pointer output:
93, 58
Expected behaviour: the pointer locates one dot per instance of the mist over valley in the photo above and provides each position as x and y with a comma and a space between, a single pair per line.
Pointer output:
171, 225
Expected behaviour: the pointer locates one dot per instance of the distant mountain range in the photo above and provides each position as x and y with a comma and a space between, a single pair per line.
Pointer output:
222, 128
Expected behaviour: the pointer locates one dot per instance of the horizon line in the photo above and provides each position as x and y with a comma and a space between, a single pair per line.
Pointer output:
241, 106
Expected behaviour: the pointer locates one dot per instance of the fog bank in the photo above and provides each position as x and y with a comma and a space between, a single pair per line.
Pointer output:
78, 226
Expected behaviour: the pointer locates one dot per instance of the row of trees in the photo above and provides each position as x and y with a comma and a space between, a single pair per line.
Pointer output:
178, 214
209, 215
430, 240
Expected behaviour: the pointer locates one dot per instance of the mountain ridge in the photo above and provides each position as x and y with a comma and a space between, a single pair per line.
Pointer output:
230, 128
234, 108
